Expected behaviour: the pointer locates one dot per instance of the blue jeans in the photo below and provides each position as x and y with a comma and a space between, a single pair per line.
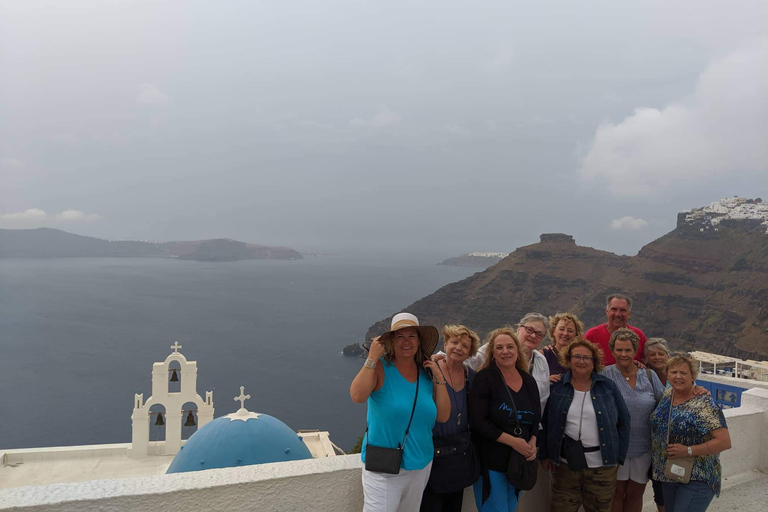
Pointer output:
503, 496
695, 496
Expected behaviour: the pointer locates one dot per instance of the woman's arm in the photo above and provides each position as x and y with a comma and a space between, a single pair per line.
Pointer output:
623, 422
368, 379
721, 441
440, 394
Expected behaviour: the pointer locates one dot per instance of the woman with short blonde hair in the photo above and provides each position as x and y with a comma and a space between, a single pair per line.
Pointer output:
688, 425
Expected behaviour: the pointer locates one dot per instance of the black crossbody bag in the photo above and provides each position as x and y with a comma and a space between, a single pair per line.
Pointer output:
388, 460
521, 473
456, 464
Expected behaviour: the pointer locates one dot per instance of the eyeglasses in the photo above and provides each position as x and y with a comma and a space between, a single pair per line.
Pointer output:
579, 357
531, 331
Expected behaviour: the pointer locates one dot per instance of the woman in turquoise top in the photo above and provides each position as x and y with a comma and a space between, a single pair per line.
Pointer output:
697, 428
391, 378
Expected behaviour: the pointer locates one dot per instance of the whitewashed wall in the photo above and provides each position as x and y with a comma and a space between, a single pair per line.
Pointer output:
319, 485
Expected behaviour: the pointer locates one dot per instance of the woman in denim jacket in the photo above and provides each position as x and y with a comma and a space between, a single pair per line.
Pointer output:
586, 417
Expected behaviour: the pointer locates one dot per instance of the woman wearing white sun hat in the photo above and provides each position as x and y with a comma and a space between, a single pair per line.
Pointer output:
403, 406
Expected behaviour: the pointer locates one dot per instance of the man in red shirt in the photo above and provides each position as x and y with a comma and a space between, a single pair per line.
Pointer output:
618, 309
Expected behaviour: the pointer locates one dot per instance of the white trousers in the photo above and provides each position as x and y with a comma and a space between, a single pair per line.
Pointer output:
394, 493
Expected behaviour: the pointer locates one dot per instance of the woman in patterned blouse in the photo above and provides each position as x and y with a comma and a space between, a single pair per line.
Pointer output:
697, 428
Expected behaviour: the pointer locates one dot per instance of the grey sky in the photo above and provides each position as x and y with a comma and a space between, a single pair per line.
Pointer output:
441, 126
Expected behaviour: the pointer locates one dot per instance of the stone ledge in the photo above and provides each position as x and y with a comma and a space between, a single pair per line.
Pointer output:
86, 495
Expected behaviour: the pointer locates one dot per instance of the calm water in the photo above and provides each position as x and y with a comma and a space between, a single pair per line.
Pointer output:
78, 338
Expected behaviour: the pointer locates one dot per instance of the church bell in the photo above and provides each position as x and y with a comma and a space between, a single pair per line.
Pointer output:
159, 422
190, 420
174, 377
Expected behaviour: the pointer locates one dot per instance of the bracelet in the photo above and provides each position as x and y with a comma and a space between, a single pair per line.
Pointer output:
369, 363
439, 383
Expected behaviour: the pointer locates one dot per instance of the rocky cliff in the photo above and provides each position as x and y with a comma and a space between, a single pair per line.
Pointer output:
704, 285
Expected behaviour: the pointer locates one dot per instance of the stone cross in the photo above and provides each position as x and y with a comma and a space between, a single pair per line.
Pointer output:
176, 347
242, 398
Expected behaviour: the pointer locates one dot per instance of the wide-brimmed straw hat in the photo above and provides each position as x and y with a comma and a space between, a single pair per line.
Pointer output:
428, 334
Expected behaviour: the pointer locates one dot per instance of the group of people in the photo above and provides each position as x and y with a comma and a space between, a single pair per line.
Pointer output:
586, 421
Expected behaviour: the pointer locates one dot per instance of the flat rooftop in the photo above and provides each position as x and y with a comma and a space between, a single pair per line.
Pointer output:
43, 466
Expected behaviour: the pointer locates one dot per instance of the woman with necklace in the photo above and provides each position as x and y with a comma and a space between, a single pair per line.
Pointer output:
565, 328
586, 429
445, 488
504, 415
641, 390
688, 425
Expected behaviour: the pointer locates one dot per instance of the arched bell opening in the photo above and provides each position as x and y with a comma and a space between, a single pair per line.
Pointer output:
189, 420
174, 377
157, 421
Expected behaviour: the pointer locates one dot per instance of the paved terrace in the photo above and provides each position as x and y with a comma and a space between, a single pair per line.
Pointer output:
333, 484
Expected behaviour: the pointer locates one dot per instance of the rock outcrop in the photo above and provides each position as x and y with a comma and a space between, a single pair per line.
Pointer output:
704, 285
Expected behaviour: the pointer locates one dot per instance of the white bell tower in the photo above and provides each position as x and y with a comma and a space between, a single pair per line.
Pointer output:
173, 403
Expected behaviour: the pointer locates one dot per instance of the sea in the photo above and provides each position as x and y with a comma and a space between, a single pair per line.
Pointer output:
78, 337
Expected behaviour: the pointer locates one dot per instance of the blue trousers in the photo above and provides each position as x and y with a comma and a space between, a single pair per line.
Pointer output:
695, 496
503, 498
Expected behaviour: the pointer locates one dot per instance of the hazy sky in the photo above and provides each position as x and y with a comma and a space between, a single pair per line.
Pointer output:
423, 126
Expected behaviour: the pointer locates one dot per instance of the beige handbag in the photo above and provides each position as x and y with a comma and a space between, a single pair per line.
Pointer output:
678, 469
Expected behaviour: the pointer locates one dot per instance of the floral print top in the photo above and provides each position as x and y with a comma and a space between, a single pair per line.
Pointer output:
692, 423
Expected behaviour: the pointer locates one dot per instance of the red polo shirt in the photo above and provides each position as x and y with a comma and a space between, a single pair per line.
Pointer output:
600, 336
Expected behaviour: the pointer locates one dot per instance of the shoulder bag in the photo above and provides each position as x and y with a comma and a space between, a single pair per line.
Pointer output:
456, 464
573, 450
678, 469
521, 473
388, 460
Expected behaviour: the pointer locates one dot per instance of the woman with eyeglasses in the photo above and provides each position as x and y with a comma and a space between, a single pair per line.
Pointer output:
531, 330
586, 428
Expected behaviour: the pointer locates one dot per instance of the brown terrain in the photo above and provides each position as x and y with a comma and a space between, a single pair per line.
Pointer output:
700, 288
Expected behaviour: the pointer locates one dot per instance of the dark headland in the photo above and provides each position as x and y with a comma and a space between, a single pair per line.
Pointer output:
54, 243
704, 285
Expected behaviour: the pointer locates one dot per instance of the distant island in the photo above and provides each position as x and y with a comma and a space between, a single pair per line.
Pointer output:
475, 259
54, 243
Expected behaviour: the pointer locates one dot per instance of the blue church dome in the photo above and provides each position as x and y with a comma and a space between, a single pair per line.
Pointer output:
239, 439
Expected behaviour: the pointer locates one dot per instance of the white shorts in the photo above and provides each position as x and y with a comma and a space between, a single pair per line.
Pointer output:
635, 469
394, 493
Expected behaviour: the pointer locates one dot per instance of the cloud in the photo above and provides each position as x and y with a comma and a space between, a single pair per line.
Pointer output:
384, 117
499, 61
720, 130
12, 164
149, 95
31, 215
628, 224
75, 216
35, 217
455, 129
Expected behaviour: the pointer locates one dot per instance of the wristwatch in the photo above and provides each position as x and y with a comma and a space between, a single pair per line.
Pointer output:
369, 363
690, 451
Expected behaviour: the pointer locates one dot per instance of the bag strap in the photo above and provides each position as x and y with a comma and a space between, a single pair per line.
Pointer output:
669, 415
518, 432
408, 428
583, 399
